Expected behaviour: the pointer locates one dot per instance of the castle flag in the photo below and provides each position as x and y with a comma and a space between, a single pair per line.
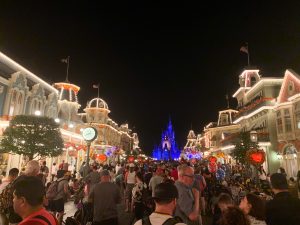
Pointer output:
244, 49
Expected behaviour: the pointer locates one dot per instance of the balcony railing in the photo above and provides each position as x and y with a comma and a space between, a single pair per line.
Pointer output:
262, 136
253, 105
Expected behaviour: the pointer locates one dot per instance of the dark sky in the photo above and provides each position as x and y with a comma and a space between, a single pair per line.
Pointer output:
153, 60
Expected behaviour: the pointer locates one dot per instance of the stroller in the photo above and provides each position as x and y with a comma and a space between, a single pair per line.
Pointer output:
84, 213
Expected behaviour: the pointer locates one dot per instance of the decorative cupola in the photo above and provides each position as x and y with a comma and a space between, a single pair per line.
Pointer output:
97, 111
225, 117
68, 105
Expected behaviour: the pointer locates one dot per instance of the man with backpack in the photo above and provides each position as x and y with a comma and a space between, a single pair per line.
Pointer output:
164, 196
57, 194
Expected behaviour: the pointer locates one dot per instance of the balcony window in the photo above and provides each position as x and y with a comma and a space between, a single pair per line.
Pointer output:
287, 120
279, 123
297, 115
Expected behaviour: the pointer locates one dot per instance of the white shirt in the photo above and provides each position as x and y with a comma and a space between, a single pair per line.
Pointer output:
157, 219
54, 170
131, 178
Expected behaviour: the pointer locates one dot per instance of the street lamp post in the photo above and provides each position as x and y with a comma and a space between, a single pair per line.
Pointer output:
254, 139
89, 134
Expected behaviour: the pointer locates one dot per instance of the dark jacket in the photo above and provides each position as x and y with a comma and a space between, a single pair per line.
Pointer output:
283, 210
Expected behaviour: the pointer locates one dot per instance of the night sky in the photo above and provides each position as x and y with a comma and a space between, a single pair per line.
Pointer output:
153, 61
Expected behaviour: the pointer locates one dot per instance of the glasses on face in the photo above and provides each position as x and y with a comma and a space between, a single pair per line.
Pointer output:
188, 175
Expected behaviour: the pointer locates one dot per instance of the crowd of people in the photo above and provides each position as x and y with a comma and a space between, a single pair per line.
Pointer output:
153, 193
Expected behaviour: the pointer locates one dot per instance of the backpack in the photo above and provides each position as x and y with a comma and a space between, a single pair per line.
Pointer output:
71, 221
170, 221
52, 190
146, 195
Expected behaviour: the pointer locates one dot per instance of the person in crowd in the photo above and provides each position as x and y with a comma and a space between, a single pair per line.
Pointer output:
293, 187
156, 179
6, 195
105, 196
282, 171
137, 205
283, 209
57, 205
61, 166
200, 184
53, 171
187, 207
174, 173
148, 174
12, 175
81, 169
234, 216
44, 172
165, 195
93, 178
253, 206
28, 202
130, 182
118, 166
224, 201
32, 169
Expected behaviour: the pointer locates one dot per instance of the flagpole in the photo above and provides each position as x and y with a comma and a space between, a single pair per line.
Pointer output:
248, 54
68, 61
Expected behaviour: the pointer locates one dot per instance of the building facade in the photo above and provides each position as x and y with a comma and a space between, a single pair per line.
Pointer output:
22, 92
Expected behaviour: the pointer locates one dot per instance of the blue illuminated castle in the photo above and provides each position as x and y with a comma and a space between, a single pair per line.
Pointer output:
167, 150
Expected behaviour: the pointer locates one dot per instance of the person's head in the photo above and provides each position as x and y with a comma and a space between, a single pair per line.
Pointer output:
234, 216
44, 163
28, 196
95, 168
278, 182
159, 171
139, 177
185, 174
32, 168
54, 164
292, 179
165, 195
131, 167
254, 206
105, 176
13, 173
224, 201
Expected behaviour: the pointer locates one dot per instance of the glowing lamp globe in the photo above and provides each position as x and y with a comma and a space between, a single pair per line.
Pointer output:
256, 156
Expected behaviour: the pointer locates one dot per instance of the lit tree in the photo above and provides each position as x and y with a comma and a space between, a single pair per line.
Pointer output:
242, 145
32, 136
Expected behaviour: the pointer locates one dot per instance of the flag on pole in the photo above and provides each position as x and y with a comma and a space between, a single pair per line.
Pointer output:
65, 60
95, 85
244, 49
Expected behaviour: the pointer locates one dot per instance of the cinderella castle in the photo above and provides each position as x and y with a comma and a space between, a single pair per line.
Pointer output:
167, 150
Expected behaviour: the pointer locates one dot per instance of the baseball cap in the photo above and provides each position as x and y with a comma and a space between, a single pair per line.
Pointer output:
165, 191
104, 173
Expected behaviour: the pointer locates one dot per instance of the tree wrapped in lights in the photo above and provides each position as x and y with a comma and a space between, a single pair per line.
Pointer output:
32, 136
243, 144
